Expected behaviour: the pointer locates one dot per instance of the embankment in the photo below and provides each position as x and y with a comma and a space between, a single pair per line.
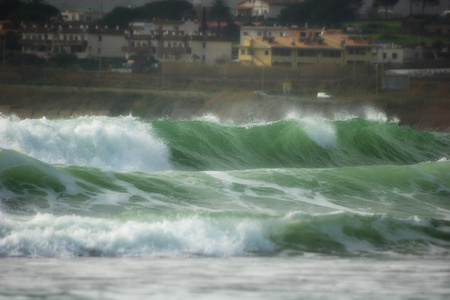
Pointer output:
28, 101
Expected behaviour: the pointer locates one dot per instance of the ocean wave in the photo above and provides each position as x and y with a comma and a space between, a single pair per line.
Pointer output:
46, 235
121, 144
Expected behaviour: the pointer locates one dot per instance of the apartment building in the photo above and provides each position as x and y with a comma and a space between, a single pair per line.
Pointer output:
81, 41
176, 40
307, 46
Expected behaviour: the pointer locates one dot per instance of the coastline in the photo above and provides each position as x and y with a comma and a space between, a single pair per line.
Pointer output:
33, 101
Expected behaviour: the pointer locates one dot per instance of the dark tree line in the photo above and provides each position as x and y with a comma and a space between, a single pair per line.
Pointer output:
320, 12
28, 11
171, 10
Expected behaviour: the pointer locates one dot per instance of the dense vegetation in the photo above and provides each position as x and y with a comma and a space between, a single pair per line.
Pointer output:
171, 10
33, 11
329, 13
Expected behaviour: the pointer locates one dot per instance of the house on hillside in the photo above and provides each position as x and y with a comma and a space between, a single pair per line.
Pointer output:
307, 46
85, 17
267, 9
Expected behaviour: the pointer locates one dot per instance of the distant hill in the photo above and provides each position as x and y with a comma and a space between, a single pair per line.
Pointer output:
402, 8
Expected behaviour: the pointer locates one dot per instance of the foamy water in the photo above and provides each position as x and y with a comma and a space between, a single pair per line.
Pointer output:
354, 207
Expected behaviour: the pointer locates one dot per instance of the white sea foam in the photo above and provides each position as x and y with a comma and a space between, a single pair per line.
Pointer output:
322, 132
120, 144
46, 235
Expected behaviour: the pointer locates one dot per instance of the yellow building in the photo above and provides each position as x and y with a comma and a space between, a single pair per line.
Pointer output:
307, 47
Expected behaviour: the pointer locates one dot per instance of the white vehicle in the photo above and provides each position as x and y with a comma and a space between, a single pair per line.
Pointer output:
324, 96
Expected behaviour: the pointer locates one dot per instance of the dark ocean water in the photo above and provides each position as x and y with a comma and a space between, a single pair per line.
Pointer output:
305, 207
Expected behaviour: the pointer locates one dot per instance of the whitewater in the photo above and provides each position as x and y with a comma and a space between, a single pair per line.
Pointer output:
305, 207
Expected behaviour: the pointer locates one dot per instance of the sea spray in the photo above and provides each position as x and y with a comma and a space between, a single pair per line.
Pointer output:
123, 143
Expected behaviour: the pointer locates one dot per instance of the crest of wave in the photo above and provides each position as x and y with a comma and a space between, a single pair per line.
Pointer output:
121, 144
317, 128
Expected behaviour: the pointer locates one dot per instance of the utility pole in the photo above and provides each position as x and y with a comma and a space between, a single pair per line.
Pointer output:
100, 53
262, 79
4, 51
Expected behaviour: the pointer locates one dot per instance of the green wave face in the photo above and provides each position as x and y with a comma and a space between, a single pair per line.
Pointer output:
351, 187
203, 145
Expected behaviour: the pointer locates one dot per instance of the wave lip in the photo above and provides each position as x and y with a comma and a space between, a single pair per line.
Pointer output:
120, 144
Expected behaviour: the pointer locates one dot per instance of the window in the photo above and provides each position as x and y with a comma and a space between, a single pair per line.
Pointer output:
394, 56
204, 45
99, 38
99, 50
331, 53
242, 51
282, 52
307, 53
302, 34
384, 55
360, 51
266, 52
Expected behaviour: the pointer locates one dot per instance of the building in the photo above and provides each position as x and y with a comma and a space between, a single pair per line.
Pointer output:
179, 45
307, 46
48, 40
259, 31
267, 9
106, 42
82, 41
395, 54
167, 40
188, 26
82, 16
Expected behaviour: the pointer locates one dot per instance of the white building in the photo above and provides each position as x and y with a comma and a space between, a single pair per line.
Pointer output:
106, 42
262, 8
211, 49
268, 31
395, 54
82, 16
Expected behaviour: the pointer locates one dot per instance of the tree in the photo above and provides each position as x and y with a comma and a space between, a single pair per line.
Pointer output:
9, 8
385, 4
220, 11
204, 21
122, 16
320, 12
429, 3
35, 11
